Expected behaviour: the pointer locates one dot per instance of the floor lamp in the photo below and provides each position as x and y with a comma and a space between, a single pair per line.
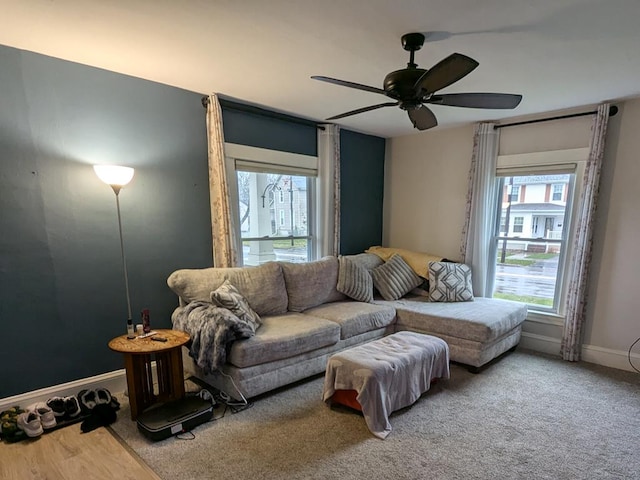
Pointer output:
117, 177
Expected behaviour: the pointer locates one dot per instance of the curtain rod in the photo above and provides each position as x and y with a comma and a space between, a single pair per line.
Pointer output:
612, 111
241, 107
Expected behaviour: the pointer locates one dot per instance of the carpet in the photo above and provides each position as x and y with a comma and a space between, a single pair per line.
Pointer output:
527, 416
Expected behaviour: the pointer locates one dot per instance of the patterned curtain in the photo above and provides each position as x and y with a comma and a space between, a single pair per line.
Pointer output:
578, 271
328, 211
477, 246
222, 224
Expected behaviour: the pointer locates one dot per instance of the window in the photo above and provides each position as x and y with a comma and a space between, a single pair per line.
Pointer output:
274, 201
557, 192
514, 196
518, 222
532, 237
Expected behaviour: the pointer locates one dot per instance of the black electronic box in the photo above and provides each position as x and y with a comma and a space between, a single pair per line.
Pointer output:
171, 418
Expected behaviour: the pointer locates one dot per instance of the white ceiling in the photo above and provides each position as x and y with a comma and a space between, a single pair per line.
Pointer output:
557, 53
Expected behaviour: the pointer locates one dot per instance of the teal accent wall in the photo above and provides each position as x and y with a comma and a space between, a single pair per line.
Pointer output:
361, 191
268, 130
62, 295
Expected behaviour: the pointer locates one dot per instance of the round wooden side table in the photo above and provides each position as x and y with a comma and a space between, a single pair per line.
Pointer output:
138, 355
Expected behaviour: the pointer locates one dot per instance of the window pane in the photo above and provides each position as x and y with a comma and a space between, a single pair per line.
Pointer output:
530, 239
285, 249
273, 205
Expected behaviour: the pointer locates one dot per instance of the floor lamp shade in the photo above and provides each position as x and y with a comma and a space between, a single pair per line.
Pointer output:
114, 175
117, 177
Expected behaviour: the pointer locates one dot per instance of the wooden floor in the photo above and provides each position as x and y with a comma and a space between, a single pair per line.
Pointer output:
69, 454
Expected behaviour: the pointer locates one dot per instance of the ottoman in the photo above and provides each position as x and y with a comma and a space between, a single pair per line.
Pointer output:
386, 375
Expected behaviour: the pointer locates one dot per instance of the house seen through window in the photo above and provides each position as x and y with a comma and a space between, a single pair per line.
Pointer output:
270, 229
531, 238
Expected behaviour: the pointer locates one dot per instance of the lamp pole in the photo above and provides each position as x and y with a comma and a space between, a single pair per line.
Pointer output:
117, 177
116, 190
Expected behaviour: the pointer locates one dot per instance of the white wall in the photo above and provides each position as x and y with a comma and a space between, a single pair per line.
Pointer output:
613, 313
425, 192
426, 183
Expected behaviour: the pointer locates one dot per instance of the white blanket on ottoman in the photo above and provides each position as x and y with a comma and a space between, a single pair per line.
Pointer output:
387, 374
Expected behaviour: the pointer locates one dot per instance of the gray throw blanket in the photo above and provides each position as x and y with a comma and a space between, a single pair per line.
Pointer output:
212, 329
388, 374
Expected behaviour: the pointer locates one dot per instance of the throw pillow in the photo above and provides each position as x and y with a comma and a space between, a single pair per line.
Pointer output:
227, 296
394, 278
354, 281
450, 282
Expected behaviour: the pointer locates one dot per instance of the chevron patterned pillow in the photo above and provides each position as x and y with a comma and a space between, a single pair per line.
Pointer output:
394, 278
450, 282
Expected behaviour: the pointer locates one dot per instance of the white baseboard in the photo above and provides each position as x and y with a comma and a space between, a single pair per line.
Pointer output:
590, 353
115, 382
610, 358
540, 343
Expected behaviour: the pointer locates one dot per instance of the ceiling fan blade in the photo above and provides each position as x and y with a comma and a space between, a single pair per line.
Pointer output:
363, 109
446, 72
422, 118
477, 100
344, 83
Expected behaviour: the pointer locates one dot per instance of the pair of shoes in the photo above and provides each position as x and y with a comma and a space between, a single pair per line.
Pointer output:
35, 419
29, 422
56, 404
46, 415
102, 415
100, 396
64, 408
9, 430
71, 406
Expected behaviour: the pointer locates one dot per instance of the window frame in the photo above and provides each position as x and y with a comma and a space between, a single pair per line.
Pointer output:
547, 163
261, 160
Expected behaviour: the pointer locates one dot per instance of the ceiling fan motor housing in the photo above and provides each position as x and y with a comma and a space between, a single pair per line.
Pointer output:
400, 85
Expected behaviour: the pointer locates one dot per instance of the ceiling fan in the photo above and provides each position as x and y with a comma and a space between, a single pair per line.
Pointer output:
412, 88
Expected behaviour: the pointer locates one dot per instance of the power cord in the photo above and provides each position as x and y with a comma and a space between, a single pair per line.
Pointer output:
217, 397
629, 355
205, 395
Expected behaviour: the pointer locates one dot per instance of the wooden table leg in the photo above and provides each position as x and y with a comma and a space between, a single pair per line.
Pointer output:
139, 383
131, 385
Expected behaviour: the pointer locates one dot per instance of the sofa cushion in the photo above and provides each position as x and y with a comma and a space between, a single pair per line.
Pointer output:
283, 336
227, 296
311, 284
395, 278
450, 282
355, 318
354, 280
263, 286
482, 320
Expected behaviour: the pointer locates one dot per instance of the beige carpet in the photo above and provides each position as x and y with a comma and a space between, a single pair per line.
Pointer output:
528, 416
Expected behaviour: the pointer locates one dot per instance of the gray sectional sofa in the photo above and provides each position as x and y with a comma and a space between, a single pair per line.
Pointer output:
305, 319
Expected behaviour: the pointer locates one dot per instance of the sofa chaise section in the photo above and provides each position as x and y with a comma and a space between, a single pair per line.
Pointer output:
476, 331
